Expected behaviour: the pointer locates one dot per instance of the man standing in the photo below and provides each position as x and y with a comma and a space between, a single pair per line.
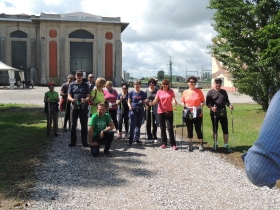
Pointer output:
78, 94
64, 103
91, 82
216, 100
100, 130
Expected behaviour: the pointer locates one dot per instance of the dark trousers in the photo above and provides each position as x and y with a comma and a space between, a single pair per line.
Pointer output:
150, 116
113, 113
52, 117
197, 124
107, 139
163, 120
136, 119
124, 118
223, 121
67, 116
74, 115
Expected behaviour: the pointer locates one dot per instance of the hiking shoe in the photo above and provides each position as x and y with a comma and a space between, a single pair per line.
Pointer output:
138, 142
127, 135
215, 148
72, 144
108, 154
119, 135
190, 147
175, 147
163, 146
227, 149
200, 148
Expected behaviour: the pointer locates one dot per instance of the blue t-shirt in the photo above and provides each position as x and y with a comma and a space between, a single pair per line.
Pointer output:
137, 99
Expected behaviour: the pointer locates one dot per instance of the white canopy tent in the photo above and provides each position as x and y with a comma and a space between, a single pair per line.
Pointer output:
11, 73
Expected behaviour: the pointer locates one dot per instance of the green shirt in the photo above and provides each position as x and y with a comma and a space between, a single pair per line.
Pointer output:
99, 123
99, 97
52, 95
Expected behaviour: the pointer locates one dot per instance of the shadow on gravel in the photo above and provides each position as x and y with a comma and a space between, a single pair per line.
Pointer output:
77, 168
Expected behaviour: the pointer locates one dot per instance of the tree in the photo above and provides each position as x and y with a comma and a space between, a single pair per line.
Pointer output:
160, 75
247, 44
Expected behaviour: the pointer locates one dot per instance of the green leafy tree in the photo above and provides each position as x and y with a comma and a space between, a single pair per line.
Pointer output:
247, 44
160, 75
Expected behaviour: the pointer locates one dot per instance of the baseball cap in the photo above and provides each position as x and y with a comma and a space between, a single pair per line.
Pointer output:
79, 72
51, 84
218, 80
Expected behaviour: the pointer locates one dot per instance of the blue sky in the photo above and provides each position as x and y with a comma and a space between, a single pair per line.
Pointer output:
158, 30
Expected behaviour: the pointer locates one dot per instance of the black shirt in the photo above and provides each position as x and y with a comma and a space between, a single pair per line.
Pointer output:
78, 91
218, 98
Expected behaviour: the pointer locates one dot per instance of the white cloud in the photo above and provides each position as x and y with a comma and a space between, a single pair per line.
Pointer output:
158, 29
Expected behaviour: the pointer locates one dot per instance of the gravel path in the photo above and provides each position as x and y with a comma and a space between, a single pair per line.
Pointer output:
140, 177
143, 177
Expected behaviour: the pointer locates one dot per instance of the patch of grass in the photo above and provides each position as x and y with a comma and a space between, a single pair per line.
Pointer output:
247, 121
23, 137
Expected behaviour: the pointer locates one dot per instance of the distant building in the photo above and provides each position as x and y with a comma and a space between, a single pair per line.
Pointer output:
51, 46
219, 72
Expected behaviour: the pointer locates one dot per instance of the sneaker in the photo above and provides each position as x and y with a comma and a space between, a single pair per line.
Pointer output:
227, 149
108, 154
127, 135
86, 145
175, 147
72, 144
155, 141
56, 135
138, 142
119, 135
149, 141
200, 147
215, 148
190, 147
163, 146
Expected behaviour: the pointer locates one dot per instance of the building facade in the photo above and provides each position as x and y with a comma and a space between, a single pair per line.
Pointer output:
219, 72
51, 46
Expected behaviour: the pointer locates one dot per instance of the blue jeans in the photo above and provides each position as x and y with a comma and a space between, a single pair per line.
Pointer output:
136, 119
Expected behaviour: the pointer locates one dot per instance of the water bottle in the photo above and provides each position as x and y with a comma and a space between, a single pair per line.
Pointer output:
110, 105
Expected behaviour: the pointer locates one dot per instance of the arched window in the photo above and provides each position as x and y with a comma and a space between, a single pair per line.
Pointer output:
82, 34
18, 34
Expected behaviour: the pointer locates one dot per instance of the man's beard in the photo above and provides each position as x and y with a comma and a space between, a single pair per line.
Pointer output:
100, 114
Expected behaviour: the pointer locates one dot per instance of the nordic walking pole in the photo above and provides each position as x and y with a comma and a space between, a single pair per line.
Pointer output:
232, 129
216, 131
152, 122
174, 117
182, 129
49, 116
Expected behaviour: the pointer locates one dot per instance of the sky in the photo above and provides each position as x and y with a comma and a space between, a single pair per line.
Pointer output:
159, 31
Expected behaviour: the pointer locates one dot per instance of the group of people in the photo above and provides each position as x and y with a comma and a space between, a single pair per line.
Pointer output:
109, 110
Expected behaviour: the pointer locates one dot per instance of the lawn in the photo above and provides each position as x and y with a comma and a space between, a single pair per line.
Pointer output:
247, 120
23, 136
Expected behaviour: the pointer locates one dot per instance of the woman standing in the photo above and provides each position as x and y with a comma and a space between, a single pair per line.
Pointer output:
122, 101
97, 95
111, 96
164, 98
192, 101
51, 100
151, 111
135, 103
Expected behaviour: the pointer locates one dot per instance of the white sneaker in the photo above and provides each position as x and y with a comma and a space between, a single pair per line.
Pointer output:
200, 147
155, 141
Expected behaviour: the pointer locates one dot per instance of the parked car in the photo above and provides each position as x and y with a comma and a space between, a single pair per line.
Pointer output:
198, 86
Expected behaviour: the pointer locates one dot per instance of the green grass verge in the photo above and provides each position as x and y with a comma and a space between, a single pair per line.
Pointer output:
23, 137
247, 120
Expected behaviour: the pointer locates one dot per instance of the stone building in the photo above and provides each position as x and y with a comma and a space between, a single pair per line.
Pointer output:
51, 46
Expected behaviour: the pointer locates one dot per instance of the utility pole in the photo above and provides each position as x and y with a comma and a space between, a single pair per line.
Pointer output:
186, 73
170, 71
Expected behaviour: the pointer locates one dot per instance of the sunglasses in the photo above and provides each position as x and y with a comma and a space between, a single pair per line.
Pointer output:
90, 77
192, 82
79, 75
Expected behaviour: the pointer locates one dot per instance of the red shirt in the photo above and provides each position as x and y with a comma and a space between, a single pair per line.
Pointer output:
165, 100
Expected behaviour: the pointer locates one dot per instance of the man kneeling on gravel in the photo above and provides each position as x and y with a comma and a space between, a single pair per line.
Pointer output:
100, 130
